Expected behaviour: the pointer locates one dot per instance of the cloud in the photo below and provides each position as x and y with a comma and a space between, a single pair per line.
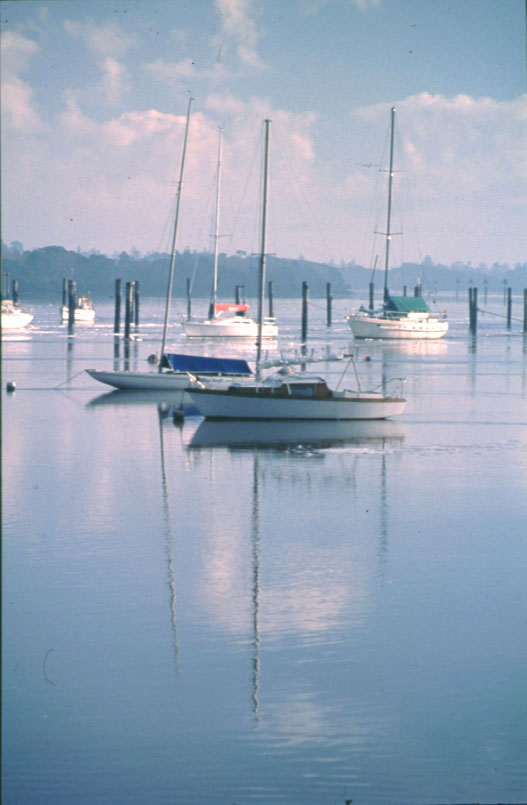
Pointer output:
462, 159
312, 7
108, 43
103, 40
238, 32
18, 110
115, 80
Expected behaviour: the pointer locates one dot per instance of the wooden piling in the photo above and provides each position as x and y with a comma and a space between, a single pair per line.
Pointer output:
72, 300
404, 290
6, 284
473, 310
14, 292
129, 301
509, 308
305, 300
371, 291
270, 296
64, 292
525, 310
329, 302
118, 297
417, 289
136, 303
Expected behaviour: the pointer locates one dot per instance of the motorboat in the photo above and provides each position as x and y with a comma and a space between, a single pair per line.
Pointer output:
13, 317
84, 311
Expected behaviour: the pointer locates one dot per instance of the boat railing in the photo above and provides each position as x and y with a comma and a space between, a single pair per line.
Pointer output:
383, 385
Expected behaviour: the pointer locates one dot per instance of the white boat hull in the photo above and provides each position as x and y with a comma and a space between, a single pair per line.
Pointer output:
148, 381
365, 326
16, 321
222, 404
232, 327
81, 314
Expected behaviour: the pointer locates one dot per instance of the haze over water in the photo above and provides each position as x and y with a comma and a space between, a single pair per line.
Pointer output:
206, 612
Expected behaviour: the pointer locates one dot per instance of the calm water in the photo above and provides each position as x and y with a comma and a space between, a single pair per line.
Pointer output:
294, 614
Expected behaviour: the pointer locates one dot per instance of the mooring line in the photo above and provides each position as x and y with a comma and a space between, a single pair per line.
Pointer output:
498, 315
68, 379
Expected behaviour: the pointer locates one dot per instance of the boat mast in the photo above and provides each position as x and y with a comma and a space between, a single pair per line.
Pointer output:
173, 252
262, 249
389, 213
212, 311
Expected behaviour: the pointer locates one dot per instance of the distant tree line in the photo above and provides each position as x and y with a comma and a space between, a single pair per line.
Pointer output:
40, 273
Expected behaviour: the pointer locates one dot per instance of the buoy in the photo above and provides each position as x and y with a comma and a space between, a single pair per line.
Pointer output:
11, 386
367, 358
153, 359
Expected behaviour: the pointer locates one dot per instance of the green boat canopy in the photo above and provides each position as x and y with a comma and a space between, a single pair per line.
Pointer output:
407, 304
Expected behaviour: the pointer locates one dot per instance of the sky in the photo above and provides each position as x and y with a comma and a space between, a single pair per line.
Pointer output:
94, 97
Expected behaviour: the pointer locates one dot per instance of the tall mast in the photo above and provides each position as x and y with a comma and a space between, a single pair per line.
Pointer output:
212, 311
262, 249
173, 252
389, 213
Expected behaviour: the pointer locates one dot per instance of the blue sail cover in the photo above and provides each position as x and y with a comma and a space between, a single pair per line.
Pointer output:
198, 364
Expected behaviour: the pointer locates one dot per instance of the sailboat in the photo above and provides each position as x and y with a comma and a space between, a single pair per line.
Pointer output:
288, 395
226, 320
176, 371
400, 316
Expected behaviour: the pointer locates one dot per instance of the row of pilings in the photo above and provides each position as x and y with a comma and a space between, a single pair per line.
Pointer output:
132, 302
474, 309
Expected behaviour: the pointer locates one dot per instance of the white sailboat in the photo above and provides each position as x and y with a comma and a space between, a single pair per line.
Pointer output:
287, 395
400, 317
176, 371
226, 320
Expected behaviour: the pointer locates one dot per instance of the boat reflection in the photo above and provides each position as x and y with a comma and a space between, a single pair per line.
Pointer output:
275, 434
177, 399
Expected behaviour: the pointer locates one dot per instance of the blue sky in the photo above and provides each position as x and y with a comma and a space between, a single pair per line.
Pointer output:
94, 96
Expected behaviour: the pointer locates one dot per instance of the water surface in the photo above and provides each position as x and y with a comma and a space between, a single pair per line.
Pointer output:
207, 612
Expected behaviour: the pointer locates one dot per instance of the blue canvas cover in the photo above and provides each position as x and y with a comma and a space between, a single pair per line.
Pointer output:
198, 364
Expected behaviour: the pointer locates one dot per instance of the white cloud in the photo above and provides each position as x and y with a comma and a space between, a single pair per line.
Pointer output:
312, 7
238, 31
464, 156
465, 160
103, 40
115, 80
18, 109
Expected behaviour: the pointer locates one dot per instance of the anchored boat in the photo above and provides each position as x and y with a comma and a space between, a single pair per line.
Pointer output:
400, 316
225, 320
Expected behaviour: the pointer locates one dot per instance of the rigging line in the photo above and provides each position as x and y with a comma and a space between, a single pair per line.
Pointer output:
299, 189
374, 212
244, 191
200, 234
